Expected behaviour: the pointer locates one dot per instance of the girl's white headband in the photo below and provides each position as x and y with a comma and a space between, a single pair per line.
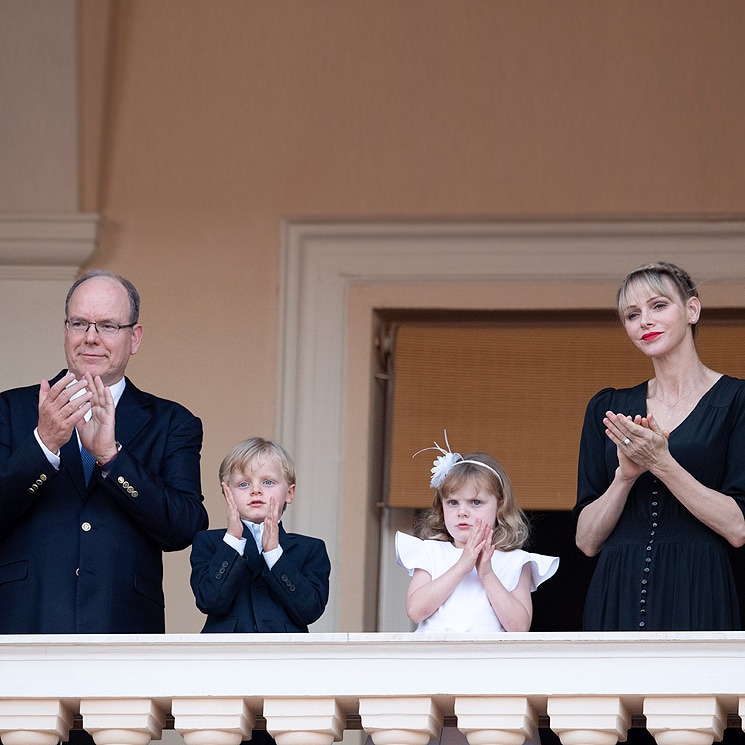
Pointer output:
444, 463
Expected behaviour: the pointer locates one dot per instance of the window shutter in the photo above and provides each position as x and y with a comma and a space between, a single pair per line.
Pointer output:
517, 390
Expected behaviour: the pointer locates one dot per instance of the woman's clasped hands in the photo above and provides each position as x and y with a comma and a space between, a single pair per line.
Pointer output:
640, 442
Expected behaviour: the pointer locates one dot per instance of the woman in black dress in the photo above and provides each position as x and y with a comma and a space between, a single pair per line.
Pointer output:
661, 487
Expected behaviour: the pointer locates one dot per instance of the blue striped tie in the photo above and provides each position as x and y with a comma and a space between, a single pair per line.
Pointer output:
88, 463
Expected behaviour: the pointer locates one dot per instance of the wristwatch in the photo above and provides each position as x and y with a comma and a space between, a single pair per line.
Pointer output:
118, 449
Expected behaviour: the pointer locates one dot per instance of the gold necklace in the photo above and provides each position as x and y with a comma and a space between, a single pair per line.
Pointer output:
669, 407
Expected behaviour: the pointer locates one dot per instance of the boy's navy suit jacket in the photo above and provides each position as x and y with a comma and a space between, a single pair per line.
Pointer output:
241, 594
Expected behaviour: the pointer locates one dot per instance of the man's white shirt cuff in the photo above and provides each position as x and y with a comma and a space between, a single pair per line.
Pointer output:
53, 458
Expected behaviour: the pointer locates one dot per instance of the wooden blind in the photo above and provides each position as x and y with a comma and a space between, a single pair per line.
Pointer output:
518, 392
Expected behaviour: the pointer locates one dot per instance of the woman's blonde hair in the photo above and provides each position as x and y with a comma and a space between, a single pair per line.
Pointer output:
512, 529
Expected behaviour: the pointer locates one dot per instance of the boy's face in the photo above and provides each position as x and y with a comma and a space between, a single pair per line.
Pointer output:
253, 487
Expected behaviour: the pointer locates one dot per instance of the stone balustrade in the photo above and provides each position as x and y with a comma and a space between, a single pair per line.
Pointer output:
401, 689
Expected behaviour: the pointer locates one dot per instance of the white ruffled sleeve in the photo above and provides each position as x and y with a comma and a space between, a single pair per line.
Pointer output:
541, 568
411, 553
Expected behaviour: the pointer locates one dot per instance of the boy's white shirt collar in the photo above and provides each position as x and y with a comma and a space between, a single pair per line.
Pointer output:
257, 531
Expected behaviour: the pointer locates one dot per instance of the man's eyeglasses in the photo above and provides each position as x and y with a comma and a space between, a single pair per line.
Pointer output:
104, 328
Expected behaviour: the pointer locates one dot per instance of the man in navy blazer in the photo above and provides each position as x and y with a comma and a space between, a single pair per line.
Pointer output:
82, 552
254, 576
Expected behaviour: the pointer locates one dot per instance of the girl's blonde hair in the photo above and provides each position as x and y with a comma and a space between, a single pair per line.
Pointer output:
512, 529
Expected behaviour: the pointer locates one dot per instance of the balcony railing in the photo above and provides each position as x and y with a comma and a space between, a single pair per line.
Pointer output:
685, 688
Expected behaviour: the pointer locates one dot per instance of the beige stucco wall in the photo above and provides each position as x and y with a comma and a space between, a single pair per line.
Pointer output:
206, 124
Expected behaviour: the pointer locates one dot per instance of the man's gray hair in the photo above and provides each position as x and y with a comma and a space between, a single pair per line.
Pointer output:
132, 294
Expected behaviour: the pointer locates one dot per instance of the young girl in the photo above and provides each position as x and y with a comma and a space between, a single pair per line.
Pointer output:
470, 574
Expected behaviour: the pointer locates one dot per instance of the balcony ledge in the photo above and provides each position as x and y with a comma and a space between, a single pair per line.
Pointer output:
352, 665
580, 682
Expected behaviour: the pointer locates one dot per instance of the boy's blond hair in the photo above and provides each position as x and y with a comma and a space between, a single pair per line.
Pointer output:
247, 453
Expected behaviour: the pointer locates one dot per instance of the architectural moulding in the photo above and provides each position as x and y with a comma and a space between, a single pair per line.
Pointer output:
46, 246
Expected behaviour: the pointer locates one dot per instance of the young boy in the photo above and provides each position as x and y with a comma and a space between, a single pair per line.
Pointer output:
255, 577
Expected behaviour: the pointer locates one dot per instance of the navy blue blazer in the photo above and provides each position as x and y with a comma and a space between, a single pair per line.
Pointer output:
89, 560
241, 594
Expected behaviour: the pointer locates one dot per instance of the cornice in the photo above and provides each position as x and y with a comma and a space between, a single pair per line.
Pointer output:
46, 246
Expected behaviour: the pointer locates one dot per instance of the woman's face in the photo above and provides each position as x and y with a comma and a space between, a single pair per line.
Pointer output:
657, 323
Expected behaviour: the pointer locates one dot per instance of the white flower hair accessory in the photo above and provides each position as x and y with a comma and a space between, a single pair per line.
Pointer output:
444, 463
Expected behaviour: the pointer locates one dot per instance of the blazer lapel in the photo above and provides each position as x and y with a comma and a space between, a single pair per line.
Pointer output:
131, 414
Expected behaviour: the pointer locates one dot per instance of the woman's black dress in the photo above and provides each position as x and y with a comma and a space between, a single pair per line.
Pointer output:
661, 569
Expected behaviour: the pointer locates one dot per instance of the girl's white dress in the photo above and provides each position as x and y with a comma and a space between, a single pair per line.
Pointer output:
468, 609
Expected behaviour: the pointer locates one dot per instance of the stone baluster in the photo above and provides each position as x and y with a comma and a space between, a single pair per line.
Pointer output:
304, 721
741, 712
130, 721
495, 720
685, 720
34, 721
212, 721
401, 721
589, 720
